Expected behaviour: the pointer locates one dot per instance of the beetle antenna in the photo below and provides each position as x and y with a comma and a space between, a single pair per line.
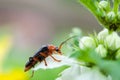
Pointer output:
65, 41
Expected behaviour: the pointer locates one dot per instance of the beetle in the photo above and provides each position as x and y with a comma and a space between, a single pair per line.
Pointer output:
43, 53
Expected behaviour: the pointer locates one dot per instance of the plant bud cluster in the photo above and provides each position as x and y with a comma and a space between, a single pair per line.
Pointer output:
107, 16
105, 44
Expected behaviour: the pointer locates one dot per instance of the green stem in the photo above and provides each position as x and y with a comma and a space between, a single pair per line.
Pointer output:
116, 6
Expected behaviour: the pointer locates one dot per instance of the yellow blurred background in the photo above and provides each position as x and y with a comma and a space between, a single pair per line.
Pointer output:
25, 25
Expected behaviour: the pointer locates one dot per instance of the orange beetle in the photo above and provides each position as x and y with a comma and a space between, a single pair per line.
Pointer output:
44, 52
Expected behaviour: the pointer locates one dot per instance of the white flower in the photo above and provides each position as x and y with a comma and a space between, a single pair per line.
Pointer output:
76, 31
110, 16
53, 64
58, 79
77, 72
93, 74
101, 50
103, 5
70, 73
86, 42
113, 41
102, 35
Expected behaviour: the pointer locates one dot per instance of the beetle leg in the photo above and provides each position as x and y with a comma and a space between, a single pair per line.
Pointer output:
45, 62
32, 74
55, 59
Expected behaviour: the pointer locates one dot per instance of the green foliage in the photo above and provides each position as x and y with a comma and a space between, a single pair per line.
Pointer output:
107, 14
110, 63
48, 74
108, 67
103, 54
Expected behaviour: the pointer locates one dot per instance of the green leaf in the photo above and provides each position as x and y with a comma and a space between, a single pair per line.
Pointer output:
112, 68
90, 4
107, 67
101, 9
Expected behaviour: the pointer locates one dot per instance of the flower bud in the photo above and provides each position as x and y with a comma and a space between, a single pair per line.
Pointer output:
113, 41
87, 43
104, 5
76, 31
110, 16
101, 50
102, 35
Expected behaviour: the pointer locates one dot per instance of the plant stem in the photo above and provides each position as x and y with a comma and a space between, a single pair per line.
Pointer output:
116, 6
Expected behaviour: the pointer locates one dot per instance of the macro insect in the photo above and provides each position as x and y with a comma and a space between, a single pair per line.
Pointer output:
43, 53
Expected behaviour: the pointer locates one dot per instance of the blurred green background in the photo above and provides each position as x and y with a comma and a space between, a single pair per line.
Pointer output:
26, 25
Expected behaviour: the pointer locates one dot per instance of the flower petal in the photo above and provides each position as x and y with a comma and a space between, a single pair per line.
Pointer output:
102, 35
112, 41
101, 50
86, 43
53, 64
70, 73
77, 72
92, 74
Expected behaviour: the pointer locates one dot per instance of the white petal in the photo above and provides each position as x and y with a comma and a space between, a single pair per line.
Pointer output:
53, 64
113, 41
59, 78
103, 4
77, 72
71, 73
102, 35
86, 42
91, 74
110, 16
101, 50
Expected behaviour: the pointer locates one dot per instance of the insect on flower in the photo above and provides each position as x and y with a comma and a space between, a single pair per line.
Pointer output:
43, 53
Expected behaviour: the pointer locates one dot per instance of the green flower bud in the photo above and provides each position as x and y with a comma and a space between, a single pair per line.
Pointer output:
102, 35
118, 54
76, 31
87, 43
110, 17
113, 41
101, 50
104, 5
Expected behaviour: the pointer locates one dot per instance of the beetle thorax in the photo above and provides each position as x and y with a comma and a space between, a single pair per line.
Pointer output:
52, 48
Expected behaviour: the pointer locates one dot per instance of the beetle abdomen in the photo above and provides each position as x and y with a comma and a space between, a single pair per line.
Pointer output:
41, 57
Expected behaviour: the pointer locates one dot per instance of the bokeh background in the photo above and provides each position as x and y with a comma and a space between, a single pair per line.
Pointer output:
26, 25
